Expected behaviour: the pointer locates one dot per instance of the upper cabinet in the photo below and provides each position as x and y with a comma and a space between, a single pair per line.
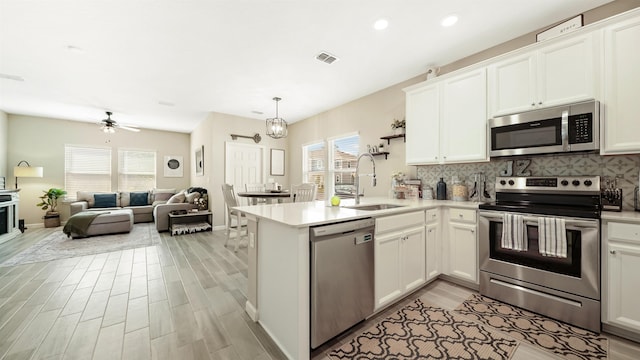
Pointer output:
620, 124
446, 120
556, 74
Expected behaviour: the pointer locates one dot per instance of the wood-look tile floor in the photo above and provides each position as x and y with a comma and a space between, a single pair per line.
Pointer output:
183, 299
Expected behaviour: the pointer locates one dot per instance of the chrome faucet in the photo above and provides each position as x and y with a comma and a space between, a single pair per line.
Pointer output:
373, 175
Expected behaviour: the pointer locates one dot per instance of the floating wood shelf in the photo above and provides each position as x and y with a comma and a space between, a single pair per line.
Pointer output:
380, 154
388, 138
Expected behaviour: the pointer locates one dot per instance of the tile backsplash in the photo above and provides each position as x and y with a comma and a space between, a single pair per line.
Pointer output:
624, 167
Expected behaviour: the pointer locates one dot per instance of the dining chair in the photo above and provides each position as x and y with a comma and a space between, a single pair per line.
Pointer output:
238, 217
255, 188
304, 192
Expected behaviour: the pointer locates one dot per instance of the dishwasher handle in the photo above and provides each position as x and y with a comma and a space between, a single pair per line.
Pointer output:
340, 228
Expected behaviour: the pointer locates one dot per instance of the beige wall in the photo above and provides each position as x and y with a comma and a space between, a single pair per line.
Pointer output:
41, 142
213, 134
371, 117
4, 144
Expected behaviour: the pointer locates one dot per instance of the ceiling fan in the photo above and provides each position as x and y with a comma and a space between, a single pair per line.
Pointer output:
109, 126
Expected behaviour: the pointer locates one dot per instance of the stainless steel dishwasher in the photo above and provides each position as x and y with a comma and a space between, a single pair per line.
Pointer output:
341, 277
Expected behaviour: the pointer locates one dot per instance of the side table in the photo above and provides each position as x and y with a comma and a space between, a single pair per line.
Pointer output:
190, 222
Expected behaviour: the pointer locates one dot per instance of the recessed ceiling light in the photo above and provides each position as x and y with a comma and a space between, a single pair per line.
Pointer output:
11, 77
257, 112
449, 20
381, 24
166, 103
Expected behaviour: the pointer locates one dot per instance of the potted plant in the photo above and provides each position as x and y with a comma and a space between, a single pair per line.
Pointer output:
49, 202
398, 126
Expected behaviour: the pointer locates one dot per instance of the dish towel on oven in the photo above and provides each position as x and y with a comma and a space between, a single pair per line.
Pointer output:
552, 237
513, 233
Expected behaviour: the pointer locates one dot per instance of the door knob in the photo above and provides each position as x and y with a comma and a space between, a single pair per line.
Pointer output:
612, 252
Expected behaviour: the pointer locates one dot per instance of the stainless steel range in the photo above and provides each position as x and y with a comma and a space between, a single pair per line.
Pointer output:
540, 247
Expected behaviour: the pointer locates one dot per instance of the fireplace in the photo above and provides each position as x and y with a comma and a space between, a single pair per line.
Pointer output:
9, 201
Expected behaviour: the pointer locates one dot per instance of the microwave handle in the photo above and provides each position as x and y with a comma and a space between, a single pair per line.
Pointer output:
565, 130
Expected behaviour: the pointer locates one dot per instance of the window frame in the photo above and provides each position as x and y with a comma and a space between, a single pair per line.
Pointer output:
153, 173
88, 185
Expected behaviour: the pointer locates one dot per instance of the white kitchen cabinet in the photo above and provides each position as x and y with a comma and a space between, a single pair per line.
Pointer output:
621, 291
620, 124
555, 74
433, 244
423, 125
399, 256
446, 120
462, 249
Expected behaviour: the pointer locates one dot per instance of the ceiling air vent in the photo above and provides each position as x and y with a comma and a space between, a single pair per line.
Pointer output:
325, 57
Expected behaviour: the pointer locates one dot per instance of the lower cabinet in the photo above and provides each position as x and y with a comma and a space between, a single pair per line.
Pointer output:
399, 256
433, 244
462, 245
620, 275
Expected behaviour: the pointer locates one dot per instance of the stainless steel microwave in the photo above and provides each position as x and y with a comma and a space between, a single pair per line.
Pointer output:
568, 128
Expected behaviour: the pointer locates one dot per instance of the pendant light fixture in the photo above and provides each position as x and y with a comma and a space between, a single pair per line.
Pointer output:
276, 127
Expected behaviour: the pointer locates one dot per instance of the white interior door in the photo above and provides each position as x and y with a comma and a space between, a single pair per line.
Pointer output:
244, 164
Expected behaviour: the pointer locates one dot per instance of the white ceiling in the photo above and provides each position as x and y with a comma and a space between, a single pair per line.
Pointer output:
234, 56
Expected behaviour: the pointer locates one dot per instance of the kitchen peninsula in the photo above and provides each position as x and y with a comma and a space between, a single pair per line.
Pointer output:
278, 295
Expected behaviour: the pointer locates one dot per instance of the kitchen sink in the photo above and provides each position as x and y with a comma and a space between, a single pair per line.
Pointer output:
373, 207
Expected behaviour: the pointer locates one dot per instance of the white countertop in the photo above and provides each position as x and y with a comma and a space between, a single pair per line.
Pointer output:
320, 212
626, 216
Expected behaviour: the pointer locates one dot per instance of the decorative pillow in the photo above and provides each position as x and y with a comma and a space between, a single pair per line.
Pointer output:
139, 198
162, 196
190, 198
176, 199
104, 200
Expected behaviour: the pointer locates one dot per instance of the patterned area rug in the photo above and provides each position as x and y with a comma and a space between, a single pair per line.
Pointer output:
58, 246
424, 332
562, 339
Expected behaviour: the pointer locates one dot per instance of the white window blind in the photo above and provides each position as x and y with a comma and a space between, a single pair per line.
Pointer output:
136, 170
343, 158
86, 169
313, 167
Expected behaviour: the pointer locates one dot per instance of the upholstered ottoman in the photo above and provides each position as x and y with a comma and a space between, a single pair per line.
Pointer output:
108, 222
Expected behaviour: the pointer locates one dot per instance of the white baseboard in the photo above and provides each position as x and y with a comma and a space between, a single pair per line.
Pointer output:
251, 311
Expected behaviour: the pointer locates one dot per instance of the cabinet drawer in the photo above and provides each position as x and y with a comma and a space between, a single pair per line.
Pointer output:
433, 215
624, 231
401, 221
464, 215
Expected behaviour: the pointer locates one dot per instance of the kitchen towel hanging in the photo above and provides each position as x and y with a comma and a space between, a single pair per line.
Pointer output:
552, 237
513, 233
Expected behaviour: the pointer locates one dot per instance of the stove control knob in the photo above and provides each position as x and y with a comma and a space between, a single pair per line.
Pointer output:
575, 182
588, 183
503, 182
511, 182
564, 182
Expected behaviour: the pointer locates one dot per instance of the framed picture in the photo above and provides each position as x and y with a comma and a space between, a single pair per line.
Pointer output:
200, 161
173, 166
277, 162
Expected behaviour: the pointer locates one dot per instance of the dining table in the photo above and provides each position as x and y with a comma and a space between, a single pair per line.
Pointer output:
269, 195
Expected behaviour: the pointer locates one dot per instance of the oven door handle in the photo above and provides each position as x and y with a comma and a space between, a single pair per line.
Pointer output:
533, 220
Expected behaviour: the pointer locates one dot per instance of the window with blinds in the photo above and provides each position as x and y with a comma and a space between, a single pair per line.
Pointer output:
313, 166
136, 170
86, 169
343, 159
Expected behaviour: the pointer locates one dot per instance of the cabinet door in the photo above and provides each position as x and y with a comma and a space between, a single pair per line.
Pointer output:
464, 118
623, 289
433, 250
413, 258
621, 88
423, 126
463, 256
512, 85
387, 268
566, 72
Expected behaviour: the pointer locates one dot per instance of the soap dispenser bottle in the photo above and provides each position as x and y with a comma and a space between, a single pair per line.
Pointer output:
441, 190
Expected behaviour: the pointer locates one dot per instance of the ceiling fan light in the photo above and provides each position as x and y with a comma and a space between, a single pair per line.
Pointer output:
276, 126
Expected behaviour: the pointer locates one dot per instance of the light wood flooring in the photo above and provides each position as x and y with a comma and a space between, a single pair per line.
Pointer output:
183, 299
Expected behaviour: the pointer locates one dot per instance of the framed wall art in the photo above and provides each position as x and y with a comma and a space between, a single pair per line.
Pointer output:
173, 166
199, 156
277, 162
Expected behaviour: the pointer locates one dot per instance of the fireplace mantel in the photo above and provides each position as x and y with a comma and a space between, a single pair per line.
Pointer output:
9, 203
